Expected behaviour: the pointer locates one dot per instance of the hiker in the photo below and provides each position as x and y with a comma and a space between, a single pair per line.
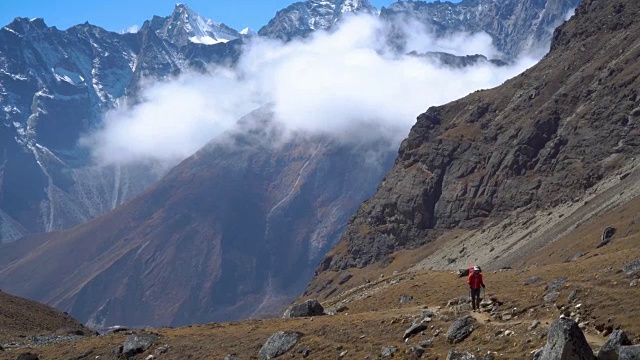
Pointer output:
475, 285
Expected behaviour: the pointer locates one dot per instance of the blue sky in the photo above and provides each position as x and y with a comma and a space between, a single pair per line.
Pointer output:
117, 15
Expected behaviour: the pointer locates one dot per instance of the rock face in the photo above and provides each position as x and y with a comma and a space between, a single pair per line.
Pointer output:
251, 219
278, 344
611, 349
56, 85
566, 341
460, 329
516, 26
519, 146
302, 18
307, 308
630, 352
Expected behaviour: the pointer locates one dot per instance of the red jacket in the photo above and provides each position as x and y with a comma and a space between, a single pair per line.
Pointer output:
475, 280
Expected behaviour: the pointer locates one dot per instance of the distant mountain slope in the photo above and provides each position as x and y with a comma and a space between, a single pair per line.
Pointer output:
517, 27
540, 142
234, 231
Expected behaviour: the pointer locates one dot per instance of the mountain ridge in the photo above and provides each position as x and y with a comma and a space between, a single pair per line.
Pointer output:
543, 139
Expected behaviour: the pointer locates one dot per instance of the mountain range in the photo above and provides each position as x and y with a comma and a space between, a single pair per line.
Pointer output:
536, 180
230, 232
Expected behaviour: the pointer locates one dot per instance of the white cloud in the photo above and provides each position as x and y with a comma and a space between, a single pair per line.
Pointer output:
131, 29
346, 84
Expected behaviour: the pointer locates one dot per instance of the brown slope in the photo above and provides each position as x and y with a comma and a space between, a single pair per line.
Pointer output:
21, 317
232, 232
540, 140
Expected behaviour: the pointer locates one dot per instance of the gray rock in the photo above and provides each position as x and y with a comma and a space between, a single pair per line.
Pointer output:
611, 348
117, 351
460, 329
556, 284
566, 341
138, 343
630, 352
278, 344
533, 325
419, 325
631, 268
304, 350
388, 351
426, 343
405, 299
307, 308
230, 357
573, 296
607, 235
161, 350
454, 355
551, 297
416, 351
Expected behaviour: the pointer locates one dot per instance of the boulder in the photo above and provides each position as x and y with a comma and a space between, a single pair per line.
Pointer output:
611, 348
278, 344
307, 308
630, 352
632, 268
405, 299
454, 355
566, 341
551, 297
419, 325
556, 284
607, 235
138, 343
460, 329
388, 351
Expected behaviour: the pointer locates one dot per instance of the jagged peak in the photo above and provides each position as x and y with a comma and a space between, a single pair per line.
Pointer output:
23, 25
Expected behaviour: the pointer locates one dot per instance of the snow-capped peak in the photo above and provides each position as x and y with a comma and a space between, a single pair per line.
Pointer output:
247, 31
185, 25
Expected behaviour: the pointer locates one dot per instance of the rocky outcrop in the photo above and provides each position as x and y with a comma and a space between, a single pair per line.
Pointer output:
611, 348
278, 344
460, 329
521, 146
307, 308
566, 341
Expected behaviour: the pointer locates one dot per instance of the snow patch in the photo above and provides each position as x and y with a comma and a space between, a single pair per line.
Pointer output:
67, 76
207, 40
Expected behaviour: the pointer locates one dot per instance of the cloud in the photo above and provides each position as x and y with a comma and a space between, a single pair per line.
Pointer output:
131, 29
347, 84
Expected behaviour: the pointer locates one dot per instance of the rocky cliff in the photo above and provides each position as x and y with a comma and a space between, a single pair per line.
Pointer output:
517, 27
539, 141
